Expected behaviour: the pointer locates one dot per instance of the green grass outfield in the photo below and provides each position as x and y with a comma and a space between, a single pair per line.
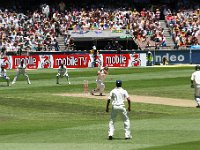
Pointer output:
31, 117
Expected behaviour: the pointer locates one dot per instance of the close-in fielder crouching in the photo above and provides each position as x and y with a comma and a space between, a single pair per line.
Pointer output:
21, 69
62, 72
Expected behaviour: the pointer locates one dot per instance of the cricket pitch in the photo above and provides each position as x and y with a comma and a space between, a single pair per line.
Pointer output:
138, 99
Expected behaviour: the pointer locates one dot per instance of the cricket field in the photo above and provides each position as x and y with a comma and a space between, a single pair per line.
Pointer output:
47, 116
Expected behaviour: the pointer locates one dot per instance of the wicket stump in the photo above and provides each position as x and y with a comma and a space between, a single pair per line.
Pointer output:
85, 86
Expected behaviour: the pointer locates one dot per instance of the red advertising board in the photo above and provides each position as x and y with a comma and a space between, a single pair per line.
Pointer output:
75, 60
30, 61
116, 60
72, 60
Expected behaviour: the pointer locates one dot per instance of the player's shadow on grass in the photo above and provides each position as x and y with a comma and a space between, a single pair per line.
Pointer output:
100, 95
116, 139
3, 85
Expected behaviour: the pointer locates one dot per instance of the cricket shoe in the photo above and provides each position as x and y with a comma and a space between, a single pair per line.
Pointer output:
128, 138
13, 82
110, 138
69, 82
91, 93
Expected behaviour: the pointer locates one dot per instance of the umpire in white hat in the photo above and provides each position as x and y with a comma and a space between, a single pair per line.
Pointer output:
117, 96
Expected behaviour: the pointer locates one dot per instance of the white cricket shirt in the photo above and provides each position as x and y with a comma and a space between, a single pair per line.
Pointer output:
196, 77
62, 71
118, 95
101, 75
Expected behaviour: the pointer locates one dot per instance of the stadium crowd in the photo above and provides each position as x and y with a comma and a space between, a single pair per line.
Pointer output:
38, 30
185, 27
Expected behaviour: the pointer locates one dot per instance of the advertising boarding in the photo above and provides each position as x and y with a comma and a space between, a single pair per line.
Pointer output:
76, 60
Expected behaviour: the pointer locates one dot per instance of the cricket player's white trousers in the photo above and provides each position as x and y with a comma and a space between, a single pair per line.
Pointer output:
197, 94
24, 74
122, 110
100, 86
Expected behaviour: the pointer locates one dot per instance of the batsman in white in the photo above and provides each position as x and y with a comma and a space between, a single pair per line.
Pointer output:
21, 69
195, 83
4, 75
62, 72
118, 95
101, 74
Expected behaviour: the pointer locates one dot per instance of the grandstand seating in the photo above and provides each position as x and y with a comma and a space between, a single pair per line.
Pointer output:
39, 31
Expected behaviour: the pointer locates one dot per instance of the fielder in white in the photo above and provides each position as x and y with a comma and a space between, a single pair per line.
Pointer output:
101, 74
4, 75
195, 83
117, 96
21, 69
62, 72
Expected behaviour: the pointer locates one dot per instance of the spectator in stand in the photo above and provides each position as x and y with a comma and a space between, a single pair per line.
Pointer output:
62, 6
163, 41
108, 46
55, 45
157, 14
143, 13
57, 29
3, 51
116, 46
144, 25
46, 10
69, 42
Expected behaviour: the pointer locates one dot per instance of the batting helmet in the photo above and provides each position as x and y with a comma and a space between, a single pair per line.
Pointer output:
118, 83
197, 67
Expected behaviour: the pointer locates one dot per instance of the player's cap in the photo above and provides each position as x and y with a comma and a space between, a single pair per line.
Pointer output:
197, 67
118, 83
